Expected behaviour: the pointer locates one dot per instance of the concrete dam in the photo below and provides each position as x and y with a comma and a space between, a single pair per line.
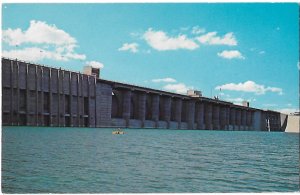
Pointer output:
36, 95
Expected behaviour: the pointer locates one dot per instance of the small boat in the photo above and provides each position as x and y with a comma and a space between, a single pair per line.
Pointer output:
118, 131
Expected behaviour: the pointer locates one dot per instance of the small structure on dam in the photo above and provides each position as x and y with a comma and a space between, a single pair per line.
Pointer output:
36, 95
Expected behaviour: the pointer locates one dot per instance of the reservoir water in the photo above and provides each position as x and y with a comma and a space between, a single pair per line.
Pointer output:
87, 160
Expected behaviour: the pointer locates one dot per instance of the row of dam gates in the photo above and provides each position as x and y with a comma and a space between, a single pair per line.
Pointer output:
36, 95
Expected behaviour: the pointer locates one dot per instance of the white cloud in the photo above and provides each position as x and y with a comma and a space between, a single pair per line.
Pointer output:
270, 105
235, 99
287, 110
56, 43
250, 86
166, 80
177, 88
231, 54
275, 90
238, 101
132, 47
74, 56
37, 54
147, 51
135, 34
262, 52
197, 30
184, 28
223, 95
159, 40
40, 33
94, 64
211, 38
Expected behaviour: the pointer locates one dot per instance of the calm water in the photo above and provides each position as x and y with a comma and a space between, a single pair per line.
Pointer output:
84, 160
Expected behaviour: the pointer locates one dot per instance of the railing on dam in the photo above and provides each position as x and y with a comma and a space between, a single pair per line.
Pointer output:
38, 95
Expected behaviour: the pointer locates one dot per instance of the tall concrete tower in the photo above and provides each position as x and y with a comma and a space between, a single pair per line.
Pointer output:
89, 70
245, 103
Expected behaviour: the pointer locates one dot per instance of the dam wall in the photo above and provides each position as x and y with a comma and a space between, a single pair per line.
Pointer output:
293, 124
35, 95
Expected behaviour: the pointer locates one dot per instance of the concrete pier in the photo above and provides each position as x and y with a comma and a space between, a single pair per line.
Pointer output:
208, 116
155, 109
36, 95
199, 116
175, 113
216, 117
238, 119
232, 119
223, 118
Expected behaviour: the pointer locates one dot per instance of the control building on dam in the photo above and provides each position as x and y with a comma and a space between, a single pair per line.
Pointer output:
36, 95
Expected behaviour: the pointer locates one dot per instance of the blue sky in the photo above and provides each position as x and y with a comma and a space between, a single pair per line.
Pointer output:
249, 50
